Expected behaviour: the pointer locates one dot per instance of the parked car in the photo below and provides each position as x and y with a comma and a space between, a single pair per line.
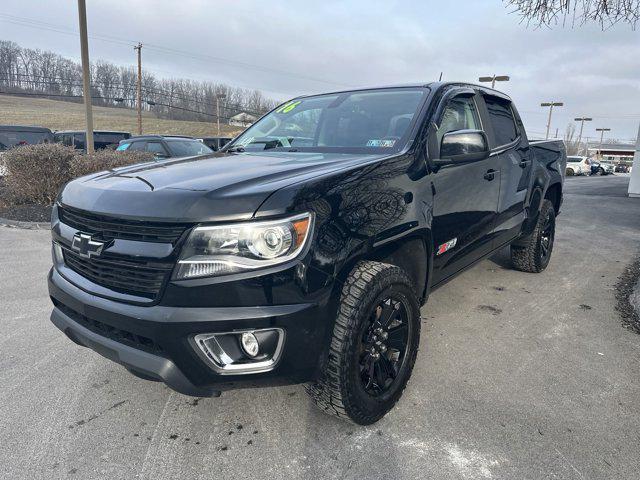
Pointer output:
165, 146
101, 138
577, 165
12, 136
607, 167
622, 168
215, 143
303, 258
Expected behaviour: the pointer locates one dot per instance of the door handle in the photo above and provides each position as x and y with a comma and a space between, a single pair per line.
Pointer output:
490, 175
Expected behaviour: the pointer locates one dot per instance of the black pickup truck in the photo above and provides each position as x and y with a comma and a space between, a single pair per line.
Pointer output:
303, 252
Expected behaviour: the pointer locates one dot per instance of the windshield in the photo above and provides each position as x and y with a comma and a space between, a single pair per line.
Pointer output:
372, 121
574, 159
10, 139
187, 148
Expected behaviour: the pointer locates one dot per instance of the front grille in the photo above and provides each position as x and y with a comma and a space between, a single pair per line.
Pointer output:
109, 228
122, 336
138, 278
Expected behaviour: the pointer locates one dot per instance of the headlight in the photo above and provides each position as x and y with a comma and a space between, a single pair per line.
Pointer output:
226, 249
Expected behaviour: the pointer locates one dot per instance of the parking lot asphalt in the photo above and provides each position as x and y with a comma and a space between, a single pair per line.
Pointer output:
519, 376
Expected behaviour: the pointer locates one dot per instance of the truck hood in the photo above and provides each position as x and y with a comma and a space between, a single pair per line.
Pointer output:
200, 189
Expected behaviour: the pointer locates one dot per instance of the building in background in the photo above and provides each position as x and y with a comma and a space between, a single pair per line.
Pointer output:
242, 119
616, 152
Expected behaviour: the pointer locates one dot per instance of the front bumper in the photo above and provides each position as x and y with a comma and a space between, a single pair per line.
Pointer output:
154, 341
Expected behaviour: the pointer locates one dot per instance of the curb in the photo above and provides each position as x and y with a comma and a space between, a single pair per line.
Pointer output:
5, 222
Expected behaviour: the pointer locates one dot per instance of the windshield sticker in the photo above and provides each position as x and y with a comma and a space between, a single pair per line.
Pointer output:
287, 107
381, 143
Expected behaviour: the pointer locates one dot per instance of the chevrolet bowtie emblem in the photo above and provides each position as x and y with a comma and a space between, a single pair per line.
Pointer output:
86, 246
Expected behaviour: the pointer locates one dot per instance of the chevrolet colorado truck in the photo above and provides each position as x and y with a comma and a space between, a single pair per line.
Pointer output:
303, 251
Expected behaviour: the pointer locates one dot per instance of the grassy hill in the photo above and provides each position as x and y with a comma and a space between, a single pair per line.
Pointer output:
58, 115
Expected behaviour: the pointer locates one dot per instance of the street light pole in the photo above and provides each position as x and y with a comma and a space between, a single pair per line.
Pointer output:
582, 120
601, 130
550, 105
86, 85
495, 78
219, 96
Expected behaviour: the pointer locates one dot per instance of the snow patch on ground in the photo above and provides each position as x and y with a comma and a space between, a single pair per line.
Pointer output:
471, 463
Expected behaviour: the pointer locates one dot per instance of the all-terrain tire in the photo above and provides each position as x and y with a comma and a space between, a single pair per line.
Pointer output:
533, 256
339, 390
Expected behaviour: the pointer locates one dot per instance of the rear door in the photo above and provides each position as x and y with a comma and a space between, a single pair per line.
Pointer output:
510, 148
465, 195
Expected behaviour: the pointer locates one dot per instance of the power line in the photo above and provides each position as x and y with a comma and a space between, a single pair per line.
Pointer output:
62, 81
102, 97
33, 23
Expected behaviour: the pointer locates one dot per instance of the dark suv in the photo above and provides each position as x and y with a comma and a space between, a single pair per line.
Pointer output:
165, 146
304, 250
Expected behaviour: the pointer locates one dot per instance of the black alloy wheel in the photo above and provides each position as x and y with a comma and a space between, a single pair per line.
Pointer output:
383, 345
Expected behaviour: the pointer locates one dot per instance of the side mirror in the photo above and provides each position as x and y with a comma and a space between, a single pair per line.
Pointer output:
463, 146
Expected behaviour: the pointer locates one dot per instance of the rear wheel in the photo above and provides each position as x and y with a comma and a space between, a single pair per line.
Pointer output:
535, 254
373, 347
570, 172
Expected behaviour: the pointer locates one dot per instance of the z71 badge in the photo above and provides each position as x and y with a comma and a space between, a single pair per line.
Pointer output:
447, 246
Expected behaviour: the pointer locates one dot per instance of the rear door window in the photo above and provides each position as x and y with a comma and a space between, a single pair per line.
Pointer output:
502, 121
157, 149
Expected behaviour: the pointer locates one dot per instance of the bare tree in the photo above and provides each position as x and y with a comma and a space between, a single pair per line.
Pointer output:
35, 72
577, 12
571, 143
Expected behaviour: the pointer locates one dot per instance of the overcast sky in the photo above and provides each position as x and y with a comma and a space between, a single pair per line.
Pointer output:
289, 47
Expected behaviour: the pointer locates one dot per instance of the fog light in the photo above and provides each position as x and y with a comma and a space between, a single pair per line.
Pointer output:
236, 353
250, 344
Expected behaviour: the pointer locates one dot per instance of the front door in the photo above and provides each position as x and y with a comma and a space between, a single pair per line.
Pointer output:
465, 199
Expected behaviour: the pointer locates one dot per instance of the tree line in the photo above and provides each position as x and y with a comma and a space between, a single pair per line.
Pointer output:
48, 74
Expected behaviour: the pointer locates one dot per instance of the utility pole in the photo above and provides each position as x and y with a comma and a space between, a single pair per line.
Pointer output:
139, 87
495, 78
582, 120
601, 130
550, 105
219, 96
86, 84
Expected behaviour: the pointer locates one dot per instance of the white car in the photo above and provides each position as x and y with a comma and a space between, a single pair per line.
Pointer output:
578, 166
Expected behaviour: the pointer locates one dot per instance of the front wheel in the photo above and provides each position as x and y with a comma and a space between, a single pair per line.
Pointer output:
535, 254
373, 347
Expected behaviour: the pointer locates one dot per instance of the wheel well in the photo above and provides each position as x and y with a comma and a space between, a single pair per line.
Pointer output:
554, 195
411, 255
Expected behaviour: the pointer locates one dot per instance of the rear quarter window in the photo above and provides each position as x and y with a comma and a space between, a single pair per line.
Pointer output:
502, 121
